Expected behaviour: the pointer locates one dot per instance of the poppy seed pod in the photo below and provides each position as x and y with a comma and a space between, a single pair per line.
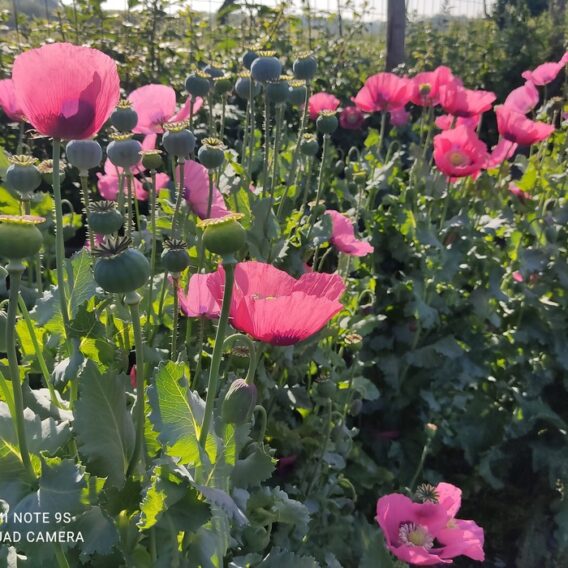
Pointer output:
266, 67
104, 218
213, 72
249, 56
22, 175
120, 269
124, 118
46, 170
222, 85
178, 140
124, 151
212, 153
84, 154
243, 84
327, 122
277, 91
197, 84
151, 159
20, 236
309, 145
174, 256
225, 235
305, 66
239, 402
297, 92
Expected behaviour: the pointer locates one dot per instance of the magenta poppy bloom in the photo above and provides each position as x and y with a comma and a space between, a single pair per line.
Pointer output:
459, 153
399, 117
411, 529
459, 101
198, 302
502, 151
273, 307
447, 121
343, 235
321, 101
196, 184
524, 99
383, 91
66, 91
519, 193
8, 102
545, 73
351, 118
426, 86
516, 127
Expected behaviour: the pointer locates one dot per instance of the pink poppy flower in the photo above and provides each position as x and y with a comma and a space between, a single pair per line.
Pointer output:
196, 184
521, 194
273, 307
8, 101
459, 101
411, 529
426, 86
383, 91
343, 236
518, 277
516, 127
545, 73
320, 102
66, 91
198, 302
459, 153
351, 118
447, 121
155, 105
502, 151
399, 117
524, 99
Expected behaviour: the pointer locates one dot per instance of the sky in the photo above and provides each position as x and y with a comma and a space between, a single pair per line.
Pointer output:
378, 7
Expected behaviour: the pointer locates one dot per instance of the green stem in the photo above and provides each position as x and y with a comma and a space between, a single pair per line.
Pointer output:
382, 133
133, 301
252, 132
326, 139
277, 135
308, 186
173, 355
252, 353
266, 144
153, 253
59, 243
129, 218
87, 201
15, 270
179, 197
292, 174
229, 266
210, 198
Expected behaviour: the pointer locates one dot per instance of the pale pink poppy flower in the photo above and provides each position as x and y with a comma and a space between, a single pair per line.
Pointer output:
459, 101
399, 117
524, 99
155, 105
198, 302
383, 91
196, 184
447, 121
426, 534
519, 193
545, 73
502, 151
351, 118
459, 153
343, 235
320, 102
426, 86
273, 307
516, 127
66, 91
8, 102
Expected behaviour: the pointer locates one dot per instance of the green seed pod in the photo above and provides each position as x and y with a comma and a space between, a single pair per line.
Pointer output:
298, 91
22, 176
222, 85
305, 66
309, 145
243, 85
104, 218
212, 153
249, 56
120, 269
223, 236
178, 140
266, 67
124, 151
327, 122
20, 236
239, 402
124, 118
84, 154
197, 84
277, 92
151, 159
46, 170
174, 256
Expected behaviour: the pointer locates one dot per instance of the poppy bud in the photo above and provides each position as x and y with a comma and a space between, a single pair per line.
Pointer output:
239, 402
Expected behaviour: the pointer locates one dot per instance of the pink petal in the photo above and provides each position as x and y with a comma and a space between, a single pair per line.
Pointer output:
196, 184
320, 102
449, 496
184, 111
343, 236
154, 104
66, 91
524, 99
199, 302
8, 101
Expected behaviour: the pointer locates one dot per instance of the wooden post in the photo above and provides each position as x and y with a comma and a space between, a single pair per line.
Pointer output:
396, 29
